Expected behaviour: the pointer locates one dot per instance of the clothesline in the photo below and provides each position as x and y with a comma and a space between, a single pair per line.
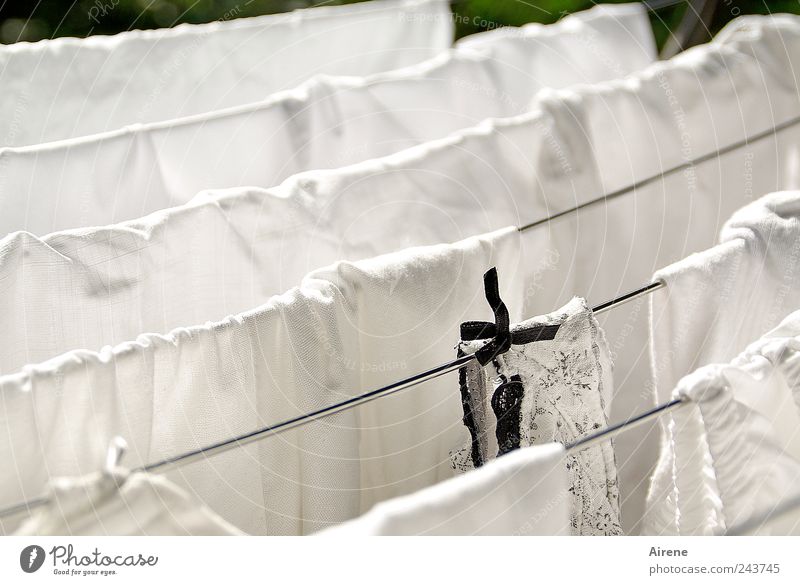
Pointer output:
189, 457
670, 171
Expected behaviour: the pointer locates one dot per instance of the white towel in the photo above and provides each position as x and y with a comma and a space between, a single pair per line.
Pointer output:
736, 450
523, 493
325, 123
65, 88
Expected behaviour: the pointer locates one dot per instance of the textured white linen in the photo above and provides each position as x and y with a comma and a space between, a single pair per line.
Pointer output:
228, 252
66, 88
346, 329
523, 493
718, 301
119, 503
573, 146
325, 123
736, 451
548, 390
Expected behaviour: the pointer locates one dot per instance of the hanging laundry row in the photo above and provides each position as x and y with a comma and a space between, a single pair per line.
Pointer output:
327, 122
187, 283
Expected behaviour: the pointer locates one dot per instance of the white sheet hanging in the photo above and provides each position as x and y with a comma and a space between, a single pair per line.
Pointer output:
326, 123
719, 300
348, 328
65, 88
227, 252
737, 450
118, 503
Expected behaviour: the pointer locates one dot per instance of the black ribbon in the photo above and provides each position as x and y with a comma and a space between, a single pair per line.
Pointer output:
501, 337
501, 341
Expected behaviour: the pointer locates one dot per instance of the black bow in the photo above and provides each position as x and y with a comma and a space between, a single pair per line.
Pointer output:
501, 337
501, 342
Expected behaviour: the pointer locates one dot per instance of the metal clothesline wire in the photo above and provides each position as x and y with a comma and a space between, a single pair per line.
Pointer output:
665, 173
237, 442
442, 369
300, 420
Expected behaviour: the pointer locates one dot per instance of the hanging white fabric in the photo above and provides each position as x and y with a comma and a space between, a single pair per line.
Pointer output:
229, 251
738, 451
326, 123
118, 503
520, 494
530, 167
673, 112
65, 88
718, 301
347, 328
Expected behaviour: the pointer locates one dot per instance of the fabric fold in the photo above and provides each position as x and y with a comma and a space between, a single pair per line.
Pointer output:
734, 449
521, 494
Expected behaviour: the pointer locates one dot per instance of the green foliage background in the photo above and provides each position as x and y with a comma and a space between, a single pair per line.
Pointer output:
31, 20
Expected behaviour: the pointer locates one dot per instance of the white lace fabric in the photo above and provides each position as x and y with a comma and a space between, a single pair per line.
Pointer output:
567, 386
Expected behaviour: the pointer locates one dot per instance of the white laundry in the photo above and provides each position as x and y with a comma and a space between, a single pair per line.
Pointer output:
640, 126
65, 88
347, 329
549, 386
503, 172
718, 301
211, 259
736, 450
327, 122
227, 252
523, 493
120, 503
